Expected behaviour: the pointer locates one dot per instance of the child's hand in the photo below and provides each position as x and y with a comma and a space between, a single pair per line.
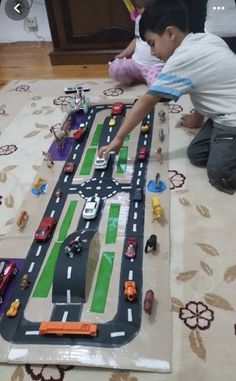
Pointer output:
193, 120
114, 146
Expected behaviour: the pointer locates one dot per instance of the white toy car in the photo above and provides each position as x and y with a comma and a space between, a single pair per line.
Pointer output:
91, 207
101, 162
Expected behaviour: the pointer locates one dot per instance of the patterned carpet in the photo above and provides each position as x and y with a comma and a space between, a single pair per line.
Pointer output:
203, 265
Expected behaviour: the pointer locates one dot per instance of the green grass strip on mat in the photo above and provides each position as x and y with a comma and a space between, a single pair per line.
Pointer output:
45, 281
127, 137
112, 224
88, 161
122, 161
96, 136
102, 283
67, 220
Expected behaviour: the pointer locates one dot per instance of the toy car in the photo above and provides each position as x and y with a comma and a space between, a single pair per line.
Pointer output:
69, 167
45, 228
112, 122
8, 270
144, 128
131, 247
74, 247
102, 162
13, 309
117, 108
91, 207
142, 153
130, 290
138, 194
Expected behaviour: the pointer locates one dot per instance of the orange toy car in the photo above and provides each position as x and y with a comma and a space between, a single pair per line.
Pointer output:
130, 290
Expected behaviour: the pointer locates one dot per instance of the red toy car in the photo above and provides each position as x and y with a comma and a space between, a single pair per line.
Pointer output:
131, 246
142, 153
117, 108
69, 167
8, 269
45, 228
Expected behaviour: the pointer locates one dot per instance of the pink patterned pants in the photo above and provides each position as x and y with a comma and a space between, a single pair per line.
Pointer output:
127, 71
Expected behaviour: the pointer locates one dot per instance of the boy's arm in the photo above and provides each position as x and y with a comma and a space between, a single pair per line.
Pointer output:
128, 51
138, 112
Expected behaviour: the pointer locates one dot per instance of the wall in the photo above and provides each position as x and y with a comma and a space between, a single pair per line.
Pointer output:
221, 17
221, 21
12, 31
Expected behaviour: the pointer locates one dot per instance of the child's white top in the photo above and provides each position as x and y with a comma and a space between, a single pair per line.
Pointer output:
142, 53
204, 67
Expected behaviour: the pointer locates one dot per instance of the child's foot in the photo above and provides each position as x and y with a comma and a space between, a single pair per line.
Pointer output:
194, 120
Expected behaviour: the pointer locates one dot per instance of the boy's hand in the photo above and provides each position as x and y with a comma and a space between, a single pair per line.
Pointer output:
193, 120
114, 146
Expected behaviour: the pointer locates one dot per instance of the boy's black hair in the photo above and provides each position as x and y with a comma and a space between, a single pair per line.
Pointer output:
162, 13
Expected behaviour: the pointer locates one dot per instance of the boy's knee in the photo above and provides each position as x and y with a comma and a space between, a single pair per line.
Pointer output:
197, 157
223, 179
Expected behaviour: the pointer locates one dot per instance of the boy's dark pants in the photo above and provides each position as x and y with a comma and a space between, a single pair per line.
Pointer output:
215, 148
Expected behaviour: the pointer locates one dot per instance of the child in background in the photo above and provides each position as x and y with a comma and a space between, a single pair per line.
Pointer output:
136, 63
203, 66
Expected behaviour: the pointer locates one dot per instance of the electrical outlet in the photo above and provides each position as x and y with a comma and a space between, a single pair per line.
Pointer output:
31, 24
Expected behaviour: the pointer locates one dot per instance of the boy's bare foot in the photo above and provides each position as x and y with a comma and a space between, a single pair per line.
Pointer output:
194, 120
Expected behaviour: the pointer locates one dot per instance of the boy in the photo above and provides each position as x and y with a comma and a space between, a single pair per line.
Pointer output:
202, 65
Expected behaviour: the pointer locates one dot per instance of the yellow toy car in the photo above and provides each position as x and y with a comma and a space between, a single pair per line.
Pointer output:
13, 309
112, 122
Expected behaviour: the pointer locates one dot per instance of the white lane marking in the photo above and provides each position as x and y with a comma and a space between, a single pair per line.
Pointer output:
88, 188
28, 333
74, 156
145, 142
108, 139
77, 147
100, 181
87, 225
146, 136
148, 116
138, 181
124, 187
52, 213
139, 173
92, 110
134, 227
131, 259
102, 174
131, 274
135, 215
69, 269
117, 334
72, 189
130, 317
141, 165
136, 204
110, 187
38, 251
66, 178
89, 117
68, 296
57, 200
64, 317
31, 267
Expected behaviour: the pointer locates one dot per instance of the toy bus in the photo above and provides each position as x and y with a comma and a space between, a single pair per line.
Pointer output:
67, 328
